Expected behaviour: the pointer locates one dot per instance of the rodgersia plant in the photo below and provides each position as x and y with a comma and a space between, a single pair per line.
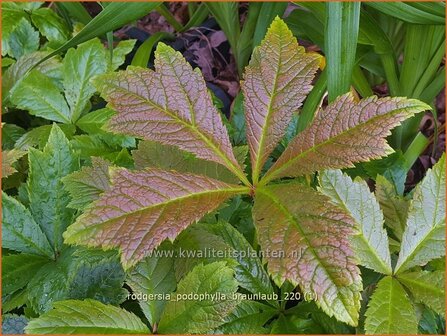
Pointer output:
323, 241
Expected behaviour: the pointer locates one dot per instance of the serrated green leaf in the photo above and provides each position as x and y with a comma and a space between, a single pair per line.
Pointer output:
141, 204
200, 316
426, 287
86, 317
11, 16
38, 137
39, 95
93, 121
424, 235
153, 275
343, 133
24, 39
390, 311
87, 184
79, 66
50, 25
13, 324
120, 51
305, 239
370, 242
14, 300
249, 317
394, 207
48, 199
292, 324
18, 270
152, 154
9, 157
278, 66
20, 232
10, 134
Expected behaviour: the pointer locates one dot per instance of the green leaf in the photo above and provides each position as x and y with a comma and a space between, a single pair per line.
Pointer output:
47, 196
344, 133
50, 25
86, 317
87, 184
408, 12
19, 230
426, 287
13, 324
278, 66
249, 317
305, 239
424, 236
153, 275
18, 270
341, 32
152, 154
39, 95
11, 16
201, 315
93, 121
187, 119
38, 137
390, 311
394, 206
293, 324
370, 243
79, 66
119, 53
24, 39
141, 204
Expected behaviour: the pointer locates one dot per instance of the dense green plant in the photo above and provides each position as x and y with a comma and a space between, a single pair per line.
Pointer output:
191, 214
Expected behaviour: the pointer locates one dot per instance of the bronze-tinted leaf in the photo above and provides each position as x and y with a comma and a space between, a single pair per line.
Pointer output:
143, 208
344, 133
9, 157
275, 84
305, 239
171, 106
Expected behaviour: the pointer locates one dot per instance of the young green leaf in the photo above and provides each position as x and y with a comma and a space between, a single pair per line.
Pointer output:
86, 317
47, 196
143, 208
390, 311
424, 236
370, 242
9, 157
19, 230
278, 67
171, 106
50, 25
344, 133
87, 184
38, 94
119, 53
426, 287
79, 66
306, 241
154, 275
24, 39
201, 315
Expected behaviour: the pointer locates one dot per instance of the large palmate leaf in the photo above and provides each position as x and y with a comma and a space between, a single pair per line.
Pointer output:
371, 241
427, 287
154, 275
344, 133
200, 315
390, 311
275, 84
306, 241
20, 232
86, 317
143, 208
48, 198
424, 236
171, 106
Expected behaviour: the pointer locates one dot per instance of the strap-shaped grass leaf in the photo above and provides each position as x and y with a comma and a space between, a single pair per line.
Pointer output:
87, 184
143, 208
427, 287
199, 316
86, 317
344, 133
390, 311
424, 236
171, 106
19, 230
371, 241
275, 84
306, 240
